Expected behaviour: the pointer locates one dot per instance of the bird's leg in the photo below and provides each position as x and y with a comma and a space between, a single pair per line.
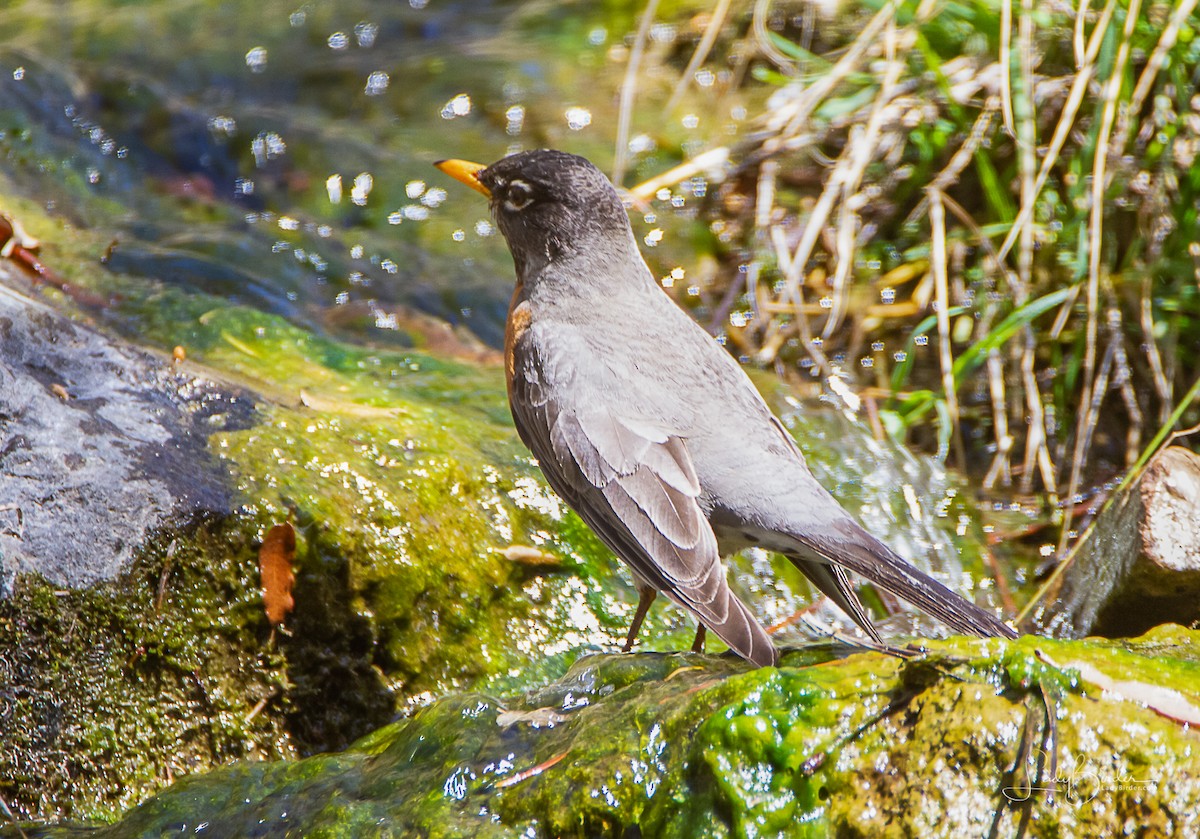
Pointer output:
645, 598
698, 644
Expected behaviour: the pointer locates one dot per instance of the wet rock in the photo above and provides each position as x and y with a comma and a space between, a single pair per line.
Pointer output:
100, 444
1139, 565
952, 742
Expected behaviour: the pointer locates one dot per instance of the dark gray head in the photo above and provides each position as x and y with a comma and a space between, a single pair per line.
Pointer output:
550, 204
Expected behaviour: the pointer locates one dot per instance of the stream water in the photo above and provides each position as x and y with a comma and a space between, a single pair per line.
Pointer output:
277, 154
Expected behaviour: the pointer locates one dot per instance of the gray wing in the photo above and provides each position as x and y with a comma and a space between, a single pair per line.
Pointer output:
635, 485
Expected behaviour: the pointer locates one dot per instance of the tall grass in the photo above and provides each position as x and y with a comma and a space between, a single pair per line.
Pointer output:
980, 212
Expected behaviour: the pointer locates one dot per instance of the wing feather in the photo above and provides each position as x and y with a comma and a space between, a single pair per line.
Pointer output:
633, 482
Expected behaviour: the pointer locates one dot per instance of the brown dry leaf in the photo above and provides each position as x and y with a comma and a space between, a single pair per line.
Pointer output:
275, 565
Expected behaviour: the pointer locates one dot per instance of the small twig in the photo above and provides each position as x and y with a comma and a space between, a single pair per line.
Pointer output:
261, 704
1037, 446
531, 772
1123, 381
1146, 320
1000, 468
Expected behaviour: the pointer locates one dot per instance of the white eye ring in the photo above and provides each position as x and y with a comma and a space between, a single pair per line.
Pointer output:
518, 196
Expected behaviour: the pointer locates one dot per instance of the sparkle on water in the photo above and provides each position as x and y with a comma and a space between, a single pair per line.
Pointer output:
459, 106
578, 118
256, 59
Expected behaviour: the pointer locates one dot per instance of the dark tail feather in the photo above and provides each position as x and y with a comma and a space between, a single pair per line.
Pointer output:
851, 547
831, 581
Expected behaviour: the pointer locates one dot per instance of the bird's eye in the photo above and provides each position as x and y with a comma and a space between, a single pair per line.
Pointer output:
518, 196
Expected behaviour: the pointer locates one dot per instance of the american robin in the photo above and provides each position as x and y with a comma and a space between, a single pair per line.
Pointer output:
651, 431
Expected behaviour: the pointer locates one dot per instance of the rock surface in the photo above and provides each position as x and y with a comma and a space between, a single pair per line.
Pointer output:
1138, 566
100, 444
952, 742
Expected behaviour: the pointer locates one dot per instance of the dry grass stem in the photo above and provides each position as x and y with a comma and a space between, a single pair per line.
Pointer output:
1006, 97
789, 119
937, 224
1089, 392
863, 148
711, 31
629, 91
1065, 121
1146, 320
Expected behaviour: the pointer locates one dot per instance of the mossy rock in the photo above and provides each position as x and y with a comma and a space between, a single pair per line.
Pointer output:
954, 741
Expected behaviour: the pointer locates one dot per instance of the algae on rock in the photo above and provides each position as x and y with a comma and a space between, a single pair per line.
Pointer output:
685, 745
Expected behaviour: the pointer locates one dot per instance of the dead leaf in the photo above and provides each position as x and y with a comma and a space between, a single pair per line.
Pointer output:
538, 718
275, 565
532, 557
1163, 701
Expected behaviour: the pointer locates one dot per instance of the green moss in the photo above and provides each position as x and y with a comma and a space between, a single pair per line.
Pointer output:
685, 746
112, 691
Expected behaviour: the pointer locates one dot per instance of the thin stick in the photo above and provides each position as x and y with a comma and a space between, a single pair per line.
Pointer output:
1000, 469
1036, 444
1006, 97
1037, 447
1124, 381
1146, 319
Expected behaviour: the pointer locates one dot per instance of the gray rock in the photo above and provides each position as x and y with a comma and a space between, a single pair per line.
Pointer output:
100, 443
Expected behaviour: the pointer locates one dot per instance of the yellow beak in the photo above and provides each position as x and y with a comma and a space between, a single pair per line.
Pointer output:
464, 170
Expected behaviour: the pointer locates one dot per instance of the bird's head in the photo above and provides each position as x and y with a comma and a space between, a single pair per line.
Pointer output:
548, 204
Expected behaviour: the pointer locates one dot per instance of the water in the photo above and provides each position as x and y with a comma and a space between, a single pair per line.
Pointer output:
277, 155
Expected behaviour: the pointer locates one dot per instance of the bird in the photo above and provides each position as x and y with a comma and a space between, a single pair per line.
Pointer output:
651, 431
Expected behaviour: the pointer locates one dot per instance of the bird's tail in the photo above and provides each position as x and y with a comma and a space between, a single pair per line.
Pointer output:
849, 546
731, 621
